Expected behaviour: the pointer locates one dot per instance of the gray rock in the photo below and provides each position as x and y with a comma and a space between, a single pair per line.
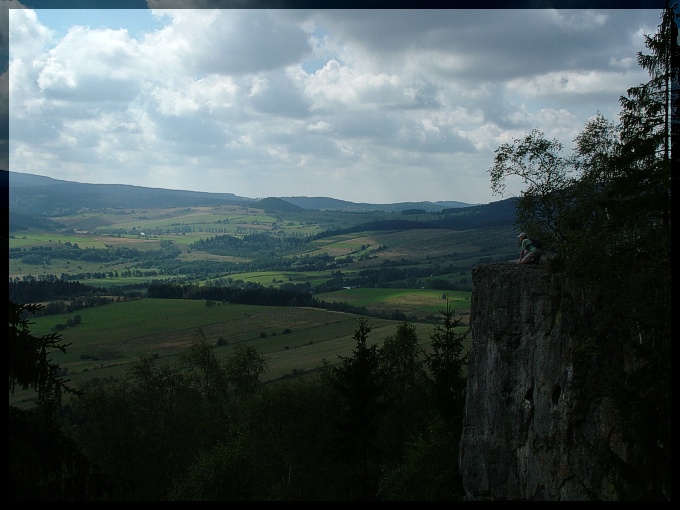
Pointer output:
535, 419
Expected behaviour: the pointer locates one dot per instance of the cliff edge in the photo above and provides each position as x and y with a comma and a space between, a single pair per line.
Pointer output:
535, 421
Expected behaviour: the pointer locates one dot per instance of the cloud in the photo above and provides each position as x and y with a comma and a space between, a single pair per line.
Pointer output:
363, 105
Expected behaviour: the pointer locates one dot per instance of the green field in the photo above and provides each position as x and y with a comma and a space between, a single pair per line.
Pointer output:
419, 303
293, 340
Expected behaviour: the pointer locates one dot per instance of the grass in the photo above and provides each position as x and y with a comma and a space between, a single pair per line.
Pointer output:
419, 303
110, 338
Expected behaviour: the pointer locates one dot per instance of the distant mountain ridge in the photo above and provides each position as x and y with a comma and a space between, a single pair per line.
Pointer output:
45, 196
334, 204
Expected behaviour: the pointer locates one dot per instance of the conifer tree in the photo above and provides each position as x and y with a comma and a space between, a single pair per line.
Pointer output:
634, 276
647, 117
447, 362
358, 385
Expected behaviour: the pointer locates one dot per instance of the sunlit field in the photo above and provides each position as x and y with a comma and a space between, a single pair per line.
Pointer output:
294, 341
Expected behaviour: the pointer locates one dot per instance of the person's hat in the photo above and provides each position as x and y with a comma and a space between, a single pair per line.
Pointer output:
523, 234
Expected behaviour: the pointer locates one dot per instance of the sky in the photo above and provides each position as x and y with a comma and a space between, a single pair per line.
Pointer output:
378, 106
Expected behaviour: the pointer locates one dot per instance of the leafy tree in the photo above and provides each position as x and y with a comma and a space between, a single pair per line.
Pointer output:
243, 370
204, 371
538, 163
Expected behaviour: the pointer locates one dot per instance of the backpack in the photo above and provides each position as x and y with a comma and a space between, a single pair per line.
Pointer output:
536, 243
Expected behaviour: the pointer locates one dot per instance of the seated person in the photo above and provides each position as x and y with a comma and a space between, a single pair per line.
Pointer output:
529, 254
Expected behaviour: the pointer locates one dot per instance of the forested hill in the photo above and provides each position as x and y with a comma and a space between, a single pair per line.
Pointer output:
43, 196
38, 195
464, 218
333, 204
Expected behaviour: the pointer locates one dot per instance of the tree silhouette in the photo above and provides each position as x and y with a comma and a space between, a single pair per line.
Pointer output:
447, 362
357, 383
45, 464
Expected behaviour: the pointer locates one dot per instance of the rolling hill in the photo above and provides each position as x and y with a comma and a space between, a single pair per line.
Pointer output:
38, 195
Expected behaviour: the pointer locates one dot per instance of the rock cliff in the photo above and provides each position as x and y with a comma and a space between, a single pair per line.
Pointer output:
535, 420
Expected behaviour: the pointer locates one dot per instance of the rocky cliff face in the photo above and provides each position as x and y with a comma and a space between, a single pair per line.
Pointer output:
535, 421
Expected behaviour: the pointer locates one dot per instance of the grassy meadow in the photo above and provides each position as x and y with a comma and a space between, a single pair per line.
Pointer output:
419, 303
294, 341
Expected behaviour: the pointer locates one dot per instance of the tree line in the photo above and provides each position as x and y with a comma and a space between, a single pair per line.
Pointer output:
367, 428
